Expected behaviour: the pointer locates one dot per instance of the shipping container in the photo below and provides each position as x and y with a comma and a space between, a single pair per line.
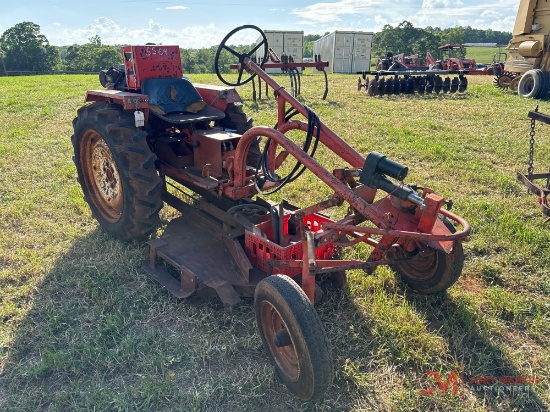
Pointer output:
346, 51
290, 43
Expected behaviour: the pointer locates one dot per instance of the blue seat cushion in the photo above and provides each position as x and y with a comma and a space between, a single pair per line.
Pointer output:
173, 95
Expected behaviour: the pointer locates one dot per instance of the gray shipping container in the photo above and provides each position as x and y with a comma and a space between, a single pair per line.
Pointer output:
346, 51
290, 43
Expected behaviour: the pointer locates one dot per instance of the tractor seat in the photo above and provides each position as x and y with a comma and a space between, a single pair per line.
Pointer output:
177, 101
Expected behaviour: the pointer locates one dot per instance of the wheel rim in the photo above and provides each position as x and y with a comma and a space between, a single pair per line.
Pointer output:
418, 268
285, 357
101, 176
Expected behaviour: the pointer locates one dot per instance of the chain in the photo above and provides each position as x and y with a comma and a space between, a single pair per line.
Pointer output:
531, 149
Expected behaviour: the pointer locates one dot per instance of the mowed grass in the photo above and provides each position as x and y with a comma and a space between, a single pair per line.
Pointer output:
84, 328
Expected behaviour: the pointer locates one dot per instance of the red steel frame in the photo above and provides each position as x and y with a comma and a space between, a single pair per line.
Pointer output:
423, 226
404, 229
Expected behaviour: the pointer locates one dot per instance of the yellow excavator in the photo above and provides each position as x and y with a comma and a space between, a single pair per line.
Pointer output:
528, 52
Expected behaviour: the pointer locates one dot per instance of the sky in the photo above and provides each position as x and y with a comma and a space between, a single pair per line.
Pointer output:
197, 24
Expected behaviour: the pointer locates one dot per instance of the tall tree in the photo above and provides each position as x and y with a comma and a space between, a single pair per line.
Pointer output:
92, 56
405, 38
26, 49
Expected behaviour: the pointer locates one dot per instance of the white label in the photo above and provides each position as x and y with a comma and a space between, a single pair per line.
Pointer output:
140, 118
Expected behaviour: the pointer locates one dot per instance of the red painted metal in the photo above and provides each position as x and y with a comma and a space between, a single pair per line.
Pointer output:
217, 165
427, 221
218, 97
128, 100
149, 62
285, 66
394, 219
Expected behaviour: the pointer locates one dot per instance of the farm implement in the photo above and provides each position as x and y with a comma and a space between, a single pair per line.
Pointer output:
405, 81
288, 66
530, 180
152, 137
527, 58
451, 60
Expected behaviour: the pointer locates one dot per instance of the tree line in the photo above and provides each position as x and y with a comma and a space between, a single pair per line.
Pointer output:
24, 48
407, 39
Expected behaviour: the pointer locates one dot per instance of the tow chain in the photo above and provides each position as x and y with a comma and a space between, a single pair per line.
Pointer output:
531, 149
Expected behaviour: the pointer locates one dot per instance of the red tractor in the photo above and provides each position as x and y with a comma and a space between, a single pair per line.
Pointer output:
152, 137
449, 59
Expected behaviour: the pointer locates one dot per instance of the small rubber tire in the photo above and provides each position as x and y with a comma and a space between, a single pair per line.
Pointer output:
116, 170
435, 272
305, 364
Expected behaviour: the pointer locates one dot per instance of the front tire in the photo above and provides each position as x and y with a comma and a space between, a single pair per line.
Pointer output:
116, 170
293, 337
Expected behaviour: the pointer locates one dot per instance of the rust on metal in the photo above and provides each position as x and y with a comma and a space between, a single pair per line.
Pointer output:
218, 167
105, 187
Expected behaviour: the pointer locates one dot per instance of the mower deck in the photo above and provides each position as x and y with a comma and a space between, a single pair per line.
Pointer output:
202, 246
201, 258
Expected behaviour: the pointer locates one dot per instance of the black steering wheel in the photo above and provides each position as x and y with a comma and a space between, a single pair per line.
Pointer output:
240, 56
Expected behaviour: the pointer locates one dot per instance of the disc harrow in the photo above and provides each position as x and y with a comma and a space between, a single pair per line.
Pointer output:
413, 81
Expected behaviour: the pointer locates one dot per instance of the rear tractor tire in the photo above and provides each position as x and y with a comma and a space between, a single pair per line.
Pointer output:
116, 170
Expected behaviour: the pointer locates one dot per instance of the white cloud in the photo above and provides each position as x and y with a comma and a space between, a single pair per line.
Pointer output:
374, 14
56, 24
332, 12
441, 4
177, 8
380, 21
113, 33
491, 14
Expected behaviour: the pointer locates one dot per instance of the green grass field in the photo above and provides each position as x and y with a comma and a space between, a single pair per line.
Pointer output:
84, 328
483, 55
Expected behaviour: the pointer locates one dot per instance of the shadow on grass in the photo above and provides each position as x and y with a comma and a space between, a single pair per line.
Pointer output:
380, 366
101, 335
487, 367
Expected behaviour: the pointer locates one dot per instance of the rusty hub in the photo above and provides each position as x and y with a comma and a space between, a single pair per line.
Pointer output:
417, 266
279, 341
101, 175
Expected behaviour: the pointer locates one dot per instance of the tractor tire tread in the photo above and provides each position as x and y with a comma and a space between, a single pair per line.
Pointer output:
138, 136
142, 197
149, 162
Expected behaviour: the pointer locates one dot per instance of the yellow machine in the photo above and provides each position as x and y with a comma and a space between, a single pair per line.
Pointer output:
527, 63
